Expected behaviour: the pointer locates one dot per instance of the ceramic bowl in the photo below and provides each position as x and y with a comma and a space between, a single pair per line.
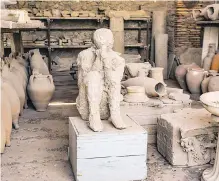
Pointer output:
210, 101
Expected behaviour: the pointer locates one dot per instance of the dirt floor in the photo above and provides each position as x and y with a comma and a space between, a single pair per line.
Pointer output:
39, 148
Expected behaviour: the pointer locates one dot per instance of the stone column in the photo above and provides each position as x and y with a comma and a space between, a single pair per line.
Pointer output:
158, 26
161, 52
117, 27
212, 174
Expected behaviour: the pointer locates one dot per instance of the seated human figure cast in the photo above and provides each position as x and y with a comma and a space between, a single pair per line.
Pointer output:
100, 71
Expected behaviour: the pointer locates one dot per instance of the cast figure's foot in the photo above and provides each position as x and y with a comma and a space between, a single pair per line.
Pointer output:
118, 122
95, 123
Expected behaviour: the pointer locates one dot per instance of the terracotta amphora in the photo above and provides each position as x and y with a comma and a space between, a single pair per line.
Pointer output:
14, 81
181, 72
209, 57
6, 121
214, 84
215, 63
40, 90
194, 78
37, 62
14, 101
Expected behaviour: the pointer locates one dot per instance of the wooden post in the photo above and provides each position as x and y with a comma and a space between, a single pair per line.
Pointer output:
16, 43
117, 27
2, 46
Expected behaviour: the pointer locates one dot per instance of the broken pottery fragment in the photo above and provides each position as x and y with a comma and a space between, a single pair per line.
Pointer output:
100, 71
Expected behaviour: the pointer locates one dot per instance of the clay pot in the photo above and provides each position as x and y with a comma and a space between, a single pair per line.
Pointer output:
135, 94
213, 12
6, 121
194, 78
215, 63
37, 62
40, 90
181, 72
14, 101
153, 88
157, 73
208, 59
213, 84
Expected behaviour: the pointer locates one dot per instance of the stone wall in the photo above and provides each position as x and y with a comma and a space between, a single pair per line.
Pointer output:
181, 28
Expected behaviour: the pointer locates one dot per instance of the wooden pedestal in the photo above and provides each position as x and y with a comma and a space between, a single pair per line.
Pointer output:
111, 155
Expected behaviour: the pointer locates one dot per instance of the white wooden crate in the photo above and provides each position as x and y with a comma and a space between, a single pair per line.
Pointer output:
111, 155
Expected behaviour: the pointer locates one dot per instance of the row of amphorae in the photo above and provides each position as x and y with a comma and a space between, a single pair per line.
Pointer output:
22, 76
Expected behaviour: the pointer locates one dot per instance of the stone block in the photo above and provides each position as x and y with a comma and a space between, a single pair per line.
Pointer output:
107, 155
187, 137
147, 114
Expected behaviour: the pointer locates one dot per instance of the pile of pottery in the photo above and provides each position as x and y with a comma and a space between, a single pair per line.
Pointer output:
41, 87
200, 80
143, 81
210, 12
14, 78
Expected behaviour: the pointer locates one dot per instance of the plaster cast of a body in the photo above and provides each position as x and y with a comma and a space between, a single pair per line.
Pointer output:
100, 71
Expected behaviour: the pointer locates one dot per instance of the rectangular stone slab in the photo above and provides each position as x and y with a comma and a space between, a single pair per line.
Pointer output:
107, 155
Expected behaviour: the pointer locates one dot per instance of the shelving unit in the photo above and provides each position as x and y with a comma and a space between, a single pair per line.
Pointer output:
48, 21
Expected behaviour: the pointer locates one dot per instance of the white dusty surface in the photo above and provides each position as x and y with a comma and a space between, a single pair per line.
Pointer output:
39, 147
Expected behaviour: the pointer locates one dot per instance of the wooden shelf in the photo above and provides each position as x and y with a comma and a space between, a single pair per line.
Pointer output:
70, 46
69, 18
205, 23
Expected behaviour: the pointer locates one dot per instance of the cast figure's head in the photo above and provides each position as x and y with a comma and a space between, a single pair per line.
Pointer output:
103, 37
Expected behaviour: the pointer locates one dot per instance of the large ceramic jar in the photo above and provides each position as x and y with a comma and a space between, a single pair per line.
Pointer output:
208, 59
181, 72
215, 63
194, 78
213, 84
40, 90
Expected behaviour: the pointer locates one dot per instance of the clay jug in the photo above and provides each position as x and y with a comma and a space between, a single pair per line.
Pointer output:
37, 62
40, 90
12, 78
14, 102
205, 82
194, 78
215, 62
6, 120
157, 73
181, 72
208, 59
214, 84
